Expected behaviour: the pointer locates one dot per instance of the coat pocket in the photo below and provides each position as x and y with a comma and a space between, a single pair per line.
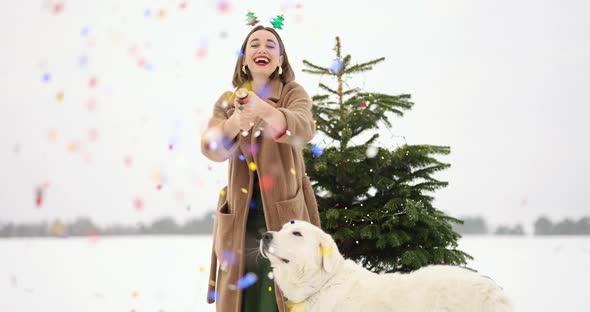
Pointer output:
224, 231
292, 209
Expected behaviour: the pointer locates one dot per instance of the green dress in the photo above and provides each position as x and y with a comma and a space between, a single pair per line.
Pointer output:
260, 296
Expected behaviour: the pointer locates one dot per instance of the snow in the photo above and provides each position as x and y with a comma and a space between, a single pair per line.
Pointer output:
170, 273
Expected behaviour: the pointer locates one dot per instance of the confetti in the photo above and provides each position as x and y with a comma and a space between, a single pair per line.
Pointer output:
52, 135
252, 166
92, 135
46, 77
92, 82
182, 6
91, 105
59, 96
266, 182
73, 147
248, 280
316, 150
213, 295
269, 288
292, 222
336, 66
135, 294
85, 30
372, 151
128, 161
327, 251
245, 191
138, 204
201, 269
293, 172
57, 8
223, 6
222, 192
39, 197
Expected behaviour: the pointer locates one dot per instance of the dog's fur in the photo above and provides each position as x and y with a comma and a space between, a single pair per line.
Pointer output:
314, 276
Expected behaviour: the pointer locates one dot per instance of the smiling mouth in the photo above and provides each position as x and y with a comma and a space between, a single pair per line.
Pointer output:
261, 60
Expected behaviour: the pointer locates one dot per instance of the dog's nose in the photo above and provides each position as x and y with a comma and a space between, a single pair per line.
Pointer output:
267, 237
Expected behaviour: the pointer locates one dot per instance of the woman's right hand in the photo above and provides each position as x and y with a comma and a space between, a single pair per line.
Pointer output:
244, 120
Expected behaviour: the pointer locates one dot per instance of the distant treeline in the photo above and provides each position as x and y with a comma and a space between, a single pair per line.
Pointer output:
85, 227
542, 226
204, 226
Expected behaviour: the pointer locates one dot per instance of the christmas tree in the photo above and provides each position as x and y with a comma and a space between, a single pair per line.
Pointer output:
373, 199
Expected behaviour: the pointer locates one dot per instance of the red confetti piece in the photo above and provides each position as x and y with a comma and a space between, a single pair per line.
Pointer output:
91, 105
39, 197
138, 204
267, 182
92, 82
57, 8
201, 52
159, 187
92, 135
223, 6
182, 5
128, 161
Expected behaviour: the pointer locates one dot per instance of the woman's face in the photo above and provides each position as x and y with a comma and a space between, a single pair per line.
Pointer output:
262, 55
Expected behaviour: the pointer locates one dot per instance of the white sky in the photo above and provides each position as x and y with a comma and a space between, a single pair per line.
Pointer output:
504, 83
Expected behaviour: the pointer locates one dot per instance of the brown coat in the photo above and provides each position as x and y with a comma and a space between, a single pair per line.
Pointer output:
291, 197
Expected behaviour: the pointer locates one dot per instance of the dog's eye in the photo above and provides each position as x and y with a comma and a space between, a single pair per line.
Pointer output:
297, 234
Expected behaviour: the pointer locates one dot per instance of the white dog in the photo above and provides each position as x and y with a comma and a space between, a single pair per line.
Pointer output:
314, 276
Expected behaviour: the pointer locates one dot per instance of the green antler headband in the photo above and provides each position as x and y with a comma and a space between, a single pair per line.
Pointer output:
276, 22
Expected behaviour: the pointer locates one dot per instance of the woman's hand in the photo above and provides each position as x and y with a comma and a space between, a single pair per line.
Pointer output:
256, 107
244, 120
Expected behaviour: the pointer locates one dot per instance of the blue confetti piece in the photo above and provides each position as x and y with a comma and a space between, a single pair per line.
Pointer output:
336, 66
147, 13
316, 150
241, 157
239, 53
248, 280
46, 77
213, 295
252, 204
229, 257
84, 32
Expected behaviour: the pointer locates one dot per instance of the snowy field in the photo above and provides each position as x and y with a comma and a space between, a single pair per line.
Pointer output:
170, 273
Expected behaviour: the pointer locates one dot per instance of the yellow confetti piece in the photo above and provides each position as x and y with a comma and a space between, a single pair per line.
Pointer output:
135, 294
269, 288
326, 251
59, 96
252, 166
72, 147
201, 269
222, 192
293, 172
52, 135
245, 191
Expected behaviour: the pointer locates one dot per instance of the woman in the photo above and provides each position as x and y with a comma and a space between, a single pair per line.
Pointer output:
267, 184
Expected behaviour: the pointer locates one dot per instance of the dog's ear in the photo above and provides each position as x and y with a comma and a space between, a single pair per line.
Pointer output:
329, 253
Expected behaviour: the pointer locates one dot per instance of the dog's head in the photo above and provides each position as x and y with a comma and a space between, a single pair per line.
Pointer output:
301, 255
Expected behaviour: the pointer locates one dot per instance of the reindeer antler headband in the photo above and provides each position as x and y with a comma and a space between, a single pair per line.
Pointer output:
276, 22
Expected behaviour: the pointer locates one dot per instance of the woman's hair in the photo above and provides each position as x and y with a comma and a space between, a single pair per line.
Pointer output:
240, 78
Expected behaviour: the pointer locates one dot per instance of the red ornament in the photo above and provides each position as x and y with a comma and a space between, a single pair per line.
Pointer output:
363, 105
